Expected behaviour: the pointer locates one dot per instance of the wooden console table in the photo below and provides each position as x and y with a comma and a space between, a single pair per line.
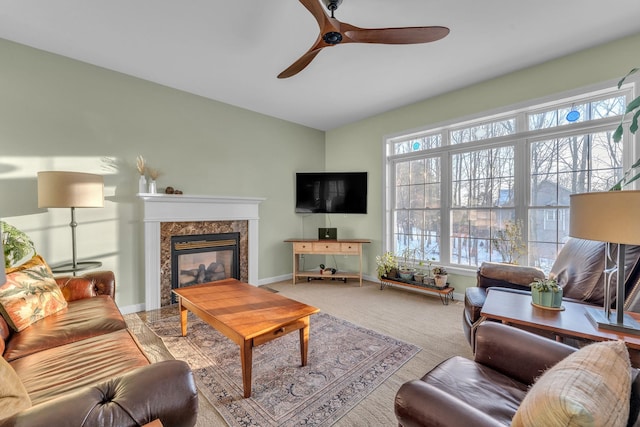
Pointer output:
445, 294
326, 247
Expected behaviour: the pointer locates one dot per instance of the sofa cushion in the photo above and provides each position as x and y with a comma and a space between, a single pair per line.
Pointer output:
81, 319
30, 294
53, 372
479, 386
591, 387
13, 395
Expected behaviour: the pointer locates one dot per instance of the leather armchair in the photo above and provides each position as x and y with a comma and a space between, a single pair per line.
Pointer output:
123, 401
488, 390
578, 268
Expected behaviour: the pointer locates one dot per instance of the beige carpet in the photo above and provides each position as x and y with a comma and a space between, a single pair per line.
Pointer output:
415, 318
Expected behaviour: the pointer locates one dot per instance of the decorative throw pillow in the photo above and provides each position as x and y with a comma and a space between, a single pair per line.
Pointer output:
30, 294
591, 387
13, 395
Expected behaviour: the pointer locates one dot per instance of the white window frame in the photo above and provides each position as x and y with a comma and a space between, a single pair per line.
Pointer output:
520, 142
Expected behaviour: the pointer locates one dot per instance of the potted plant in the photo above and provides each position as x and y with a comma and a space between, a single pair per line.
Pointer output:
406, 269
17, 245
440, 276
387, 265
546, 293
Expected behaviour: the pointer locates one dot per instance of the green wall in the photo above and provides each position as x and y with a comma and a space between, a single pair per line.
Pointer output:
61, 114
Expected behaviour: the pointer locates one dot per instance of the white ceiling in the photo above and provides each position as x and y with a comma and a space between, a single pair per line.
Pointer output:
232, 50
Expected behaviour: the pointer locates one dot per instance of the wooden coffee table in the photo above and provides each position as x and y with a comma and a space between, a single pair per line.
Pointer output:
247, 315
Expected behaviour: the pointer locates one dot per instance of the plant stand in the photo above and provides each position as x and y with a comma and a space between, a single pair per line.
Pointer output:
445, 294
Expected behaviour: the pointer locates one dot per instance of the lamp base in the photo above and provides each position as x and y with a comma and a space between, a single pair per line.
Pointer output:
80, 266
597, 316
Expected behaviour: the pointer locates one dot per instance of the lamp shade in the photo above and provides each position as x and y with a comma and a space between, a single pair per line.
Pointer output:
608, 216
58, 189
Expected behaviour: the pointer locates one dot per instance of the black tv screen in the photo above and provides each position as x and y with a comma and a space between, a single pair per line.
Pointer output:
331, 192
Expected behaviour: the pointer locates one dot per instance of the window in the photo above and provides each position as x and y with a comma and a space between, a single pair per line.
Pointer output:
453, 189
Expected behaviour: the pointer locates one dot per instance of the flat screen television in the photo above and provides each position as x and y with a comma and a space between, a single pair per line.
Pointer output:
331, 192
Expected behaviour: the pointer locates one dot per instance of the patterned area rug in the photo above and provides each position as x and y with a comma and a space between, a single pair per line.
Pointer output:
345, 363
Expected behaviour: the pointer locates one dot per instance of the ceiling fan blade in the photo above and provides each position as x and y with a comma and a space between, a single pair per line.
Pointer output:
316, 10
406, 35
300, 64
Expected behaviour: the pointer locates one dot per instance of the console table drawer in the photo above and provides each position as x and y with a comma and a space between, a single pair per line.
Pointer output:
350, 248
326, 247
302, 247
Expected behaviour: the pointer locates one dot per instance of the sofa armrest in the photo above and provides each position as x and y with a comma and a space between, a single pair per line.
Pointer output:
88, 285
164, 390
507, 275
418, 404
518, 354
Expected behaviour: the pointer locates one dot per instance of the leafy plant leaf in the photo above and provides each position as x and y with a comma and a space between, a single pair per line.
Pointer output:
17, 244
633, 70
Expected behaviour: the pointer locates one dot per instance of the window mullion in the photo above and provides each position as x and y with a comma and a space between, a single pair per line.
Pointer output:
445, 208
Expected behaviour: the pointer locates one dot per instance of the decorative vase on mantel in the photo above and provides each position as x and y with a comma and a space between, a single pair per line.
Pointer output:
152, 186
142, 184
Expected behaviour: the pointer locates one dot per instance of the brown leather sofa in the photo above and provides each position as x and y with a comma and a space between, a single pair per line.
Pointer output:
82, 367
578, 268
488, 390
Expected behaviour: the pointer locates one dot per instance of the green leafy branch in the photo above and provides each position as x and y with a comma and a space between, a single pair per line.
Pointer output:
17, 245
634, 105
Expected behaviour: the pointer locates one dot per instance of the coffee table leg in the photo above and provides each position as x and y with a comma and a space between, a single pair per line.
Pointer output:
304, 341
183, 318
246, 354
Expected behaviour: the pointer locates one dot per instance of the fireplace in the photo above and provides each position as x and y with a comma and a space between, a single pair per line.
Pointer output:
204, 258
170, 215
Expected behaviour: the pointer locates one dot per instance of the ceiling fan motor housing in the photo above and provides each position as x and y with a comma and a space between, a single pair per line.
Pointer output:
332, 37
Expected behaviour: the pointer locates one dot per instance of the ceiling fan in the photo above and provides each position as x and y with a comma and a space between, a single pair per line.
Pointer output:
334, 32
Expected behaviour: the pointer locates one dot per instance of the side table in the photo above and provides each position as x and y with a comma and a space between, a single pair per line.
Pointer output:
516, 309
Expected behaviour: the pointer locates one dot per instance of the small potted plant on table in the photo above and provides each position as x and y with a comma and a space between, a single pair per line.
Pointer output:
546, 293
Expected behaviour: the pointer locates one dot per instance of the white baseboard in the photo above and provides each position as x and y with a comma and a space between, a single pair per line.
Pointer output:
274, 279
132, 308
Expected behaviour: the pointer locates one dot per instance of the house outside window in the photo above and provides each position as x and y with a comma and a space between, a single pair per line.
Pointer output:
451, 188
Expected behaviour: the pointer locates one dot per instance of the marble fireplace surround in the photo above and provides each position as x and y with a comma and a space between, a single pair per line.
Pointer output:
163, 208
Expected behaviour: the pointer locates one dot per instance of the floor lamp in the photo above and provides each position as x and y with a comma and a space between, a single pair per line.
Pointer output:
71, 190
612, 217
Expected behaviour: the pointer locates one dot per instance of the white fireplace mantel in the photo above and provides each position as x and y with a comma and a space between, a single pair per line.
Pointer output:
159, 208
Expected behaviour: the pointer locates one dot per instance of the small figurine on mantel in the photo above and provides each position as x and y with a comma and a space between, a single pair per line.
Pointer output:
171, 190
